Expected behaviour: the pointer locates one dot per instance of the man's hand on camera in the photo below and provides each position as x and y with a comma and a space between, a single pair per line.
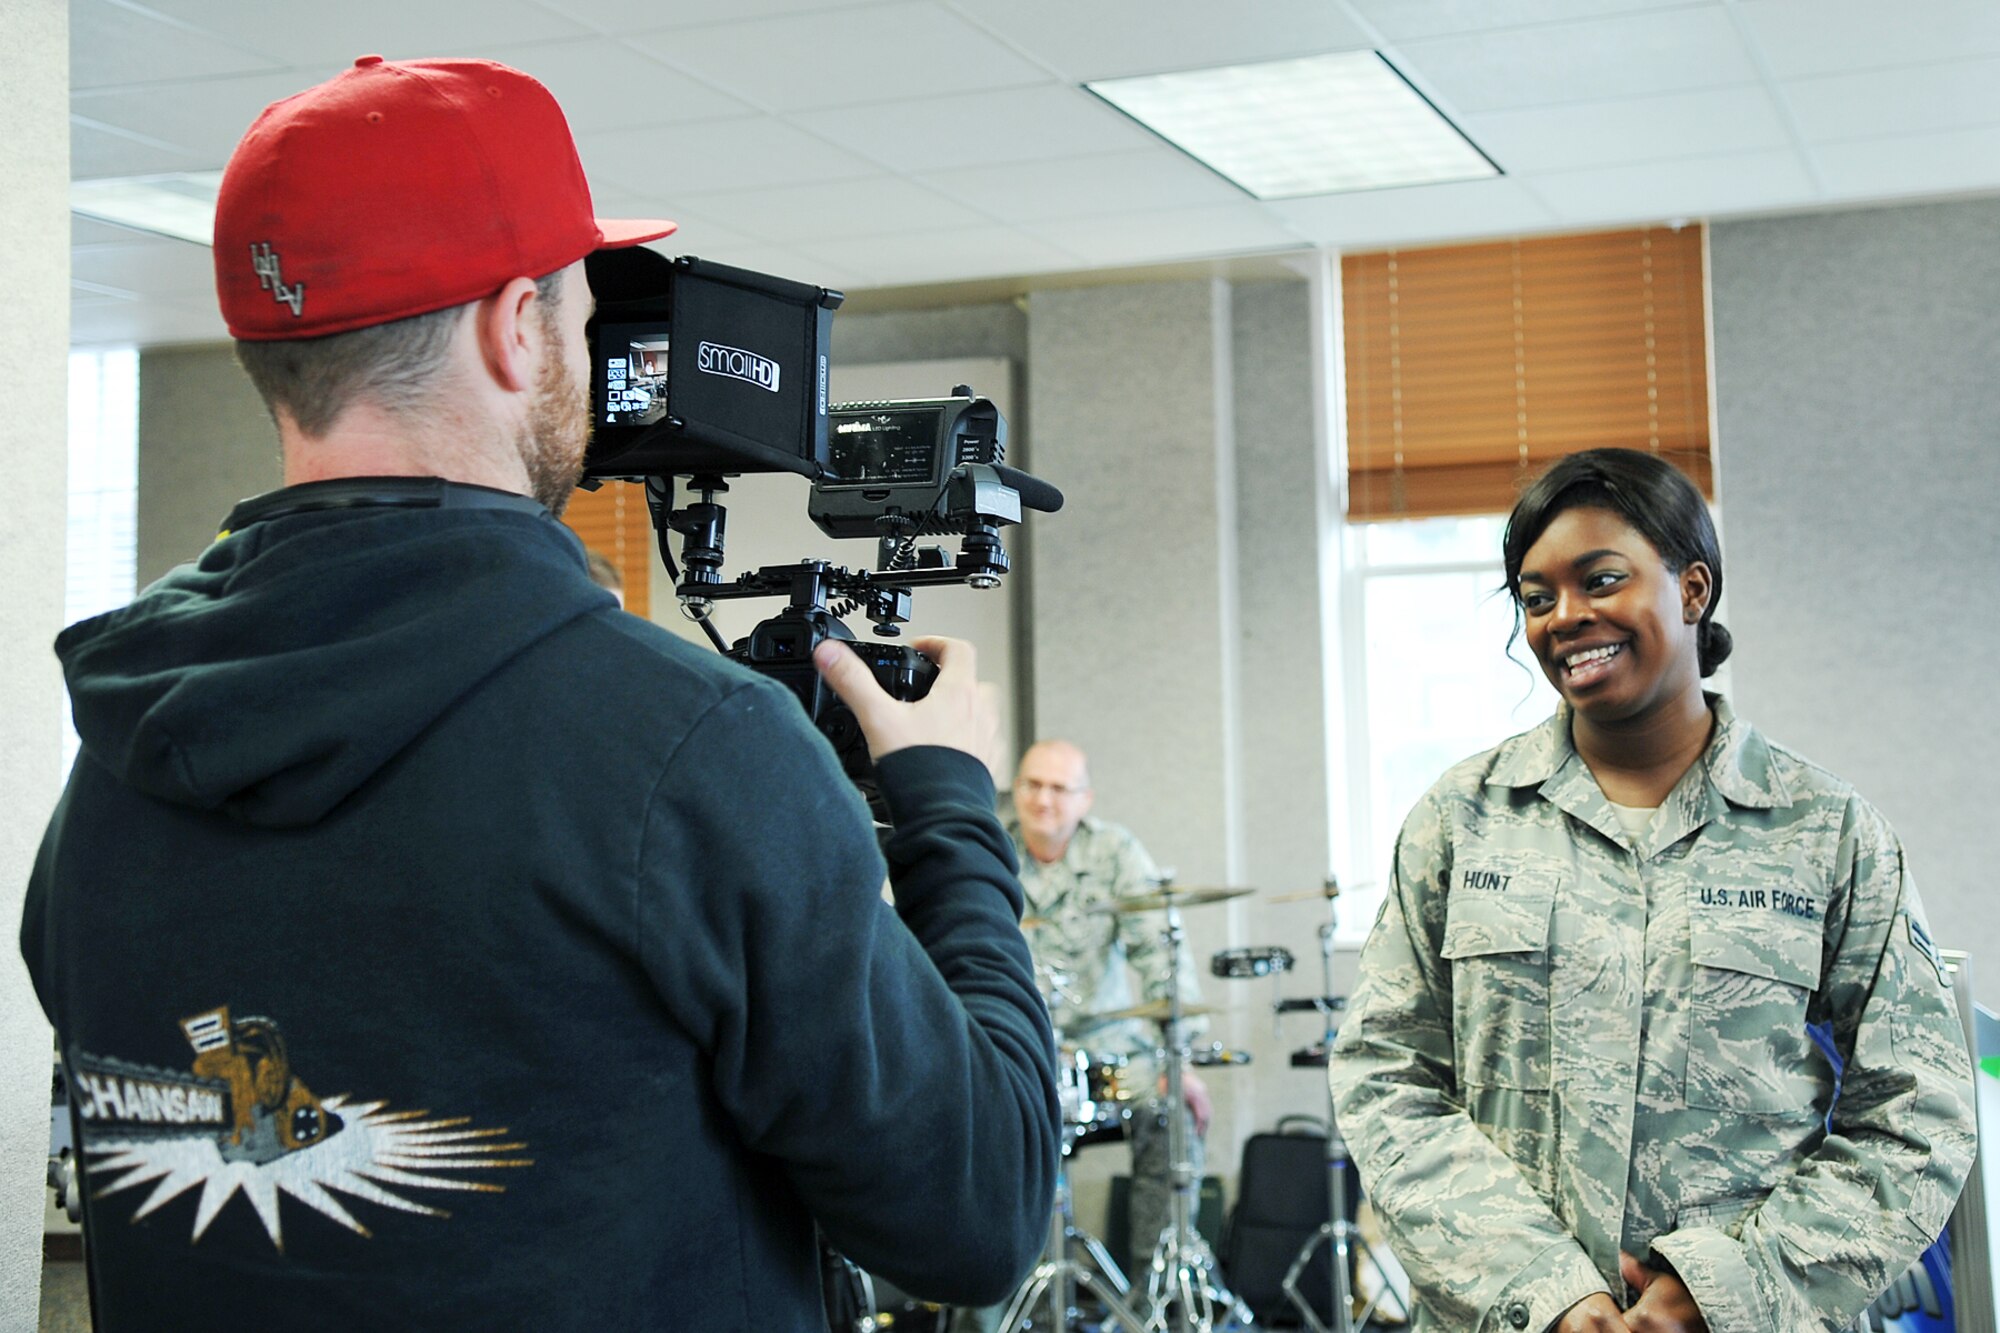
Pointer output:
956, 713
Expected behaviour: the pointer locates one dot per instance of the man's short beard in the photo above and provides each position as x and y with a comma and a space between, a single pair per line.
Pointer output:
557, 432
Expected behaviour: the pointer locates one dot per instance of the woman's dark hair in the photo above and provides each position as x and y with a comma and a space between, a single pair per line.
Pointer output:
1647, 492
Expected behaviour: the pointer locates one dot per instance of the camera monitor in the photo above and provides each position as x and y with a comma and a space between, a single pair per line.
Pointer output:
701, 368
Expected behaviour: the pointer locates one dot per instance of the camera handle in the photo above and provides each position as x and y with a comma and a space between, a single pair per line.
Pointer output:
781, 647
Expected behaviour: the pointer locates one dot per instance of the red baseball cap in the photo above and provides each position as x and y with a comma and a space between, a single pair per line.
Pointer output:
396, 188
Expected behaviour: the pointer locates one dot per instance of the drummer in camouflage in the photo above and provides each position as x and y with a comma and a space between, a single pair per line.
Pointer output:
1073, 867
1576, 1074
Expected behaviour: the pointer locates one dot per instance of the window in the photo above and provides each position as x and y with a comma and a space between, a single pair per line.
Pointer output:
1426, 642
614, 522
1467, 370
101, 547
1472, 367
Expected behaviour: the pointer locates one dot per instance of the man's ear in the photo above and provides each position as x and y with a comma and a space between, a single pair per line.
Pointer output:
510, 334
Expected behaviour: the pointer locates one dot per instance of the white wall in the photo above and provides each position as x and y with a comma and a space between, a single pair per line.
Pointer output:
34, 337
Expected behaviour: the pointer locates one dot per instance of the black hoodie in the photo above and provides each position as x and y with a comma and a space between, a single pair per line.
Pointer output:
434, 945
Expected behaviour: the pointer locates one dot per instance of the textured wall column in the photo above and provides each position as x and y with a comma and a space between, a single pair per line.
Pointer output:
34, 271
1281, 675
1127, 638
1860, 486
1283, 668
1176, 631
205, 442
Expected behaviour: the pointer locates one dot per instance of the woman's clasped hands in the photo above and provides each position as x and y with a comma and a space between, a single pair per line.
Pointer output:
1664, 1306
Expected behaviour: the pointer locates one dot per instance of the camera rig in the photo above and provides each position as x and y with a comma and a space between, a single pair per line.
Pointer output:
703, 372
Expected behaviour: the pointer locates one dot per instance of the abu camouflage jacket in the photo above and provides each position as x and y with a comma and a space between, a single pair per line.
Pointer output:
1564, 1043
1086, 956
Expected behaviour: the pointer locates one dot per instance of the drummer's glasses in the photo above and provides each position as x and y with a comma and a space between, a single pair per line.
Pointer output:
1055, 790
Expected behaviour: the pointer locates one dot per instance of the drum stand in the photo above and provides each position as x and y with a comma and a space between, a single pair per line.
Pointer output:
1182, 1275
1062, 1271
1338, 1228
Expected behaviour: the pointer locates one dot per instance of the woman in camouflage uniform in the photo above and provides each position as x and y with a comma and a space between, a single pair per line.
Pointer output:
1576, 1076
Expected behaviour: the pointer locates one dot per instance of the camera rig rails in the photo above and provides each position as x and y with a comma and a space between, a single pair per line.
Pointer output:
702, 371
898, 472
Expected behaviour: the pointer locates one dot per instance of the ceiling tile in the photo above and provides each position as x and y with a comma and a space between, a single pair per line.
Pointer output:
207, 118
1161, 235
1455, 209
94, 231
604, 85
112, 44
1108, 38
96, 151
155, 265
1598, 134
843, 58
334, 34
1916, 99
1593, 61
979, 129
794, 214
1801, 37
1400, 19
1946, 163
150, 323
1068, 187
713, 155
933, 256
830, 271
621, 17
1601, 111
695, 234
1690, 188
90, 296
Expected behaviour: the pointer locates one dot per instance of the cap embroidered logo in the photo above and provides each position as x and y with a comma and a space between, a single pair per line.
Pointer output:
270, 276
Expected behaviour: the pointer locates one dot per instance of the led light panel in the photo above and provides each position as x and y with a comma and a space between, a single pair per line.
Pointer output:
1315, 125
179, 204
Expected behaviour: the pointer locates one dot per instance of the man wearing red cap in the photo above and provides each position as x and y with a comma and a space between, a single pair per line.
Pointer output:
430, 943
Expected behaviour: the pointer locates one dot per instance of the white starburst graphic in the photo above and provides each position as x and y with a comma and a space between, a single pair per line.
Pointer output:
372, 1149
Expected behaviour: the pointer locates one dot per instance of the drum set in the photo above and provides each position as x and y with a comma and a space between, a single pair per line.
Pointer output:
1183, 1284
1099, 1092
1184, 1291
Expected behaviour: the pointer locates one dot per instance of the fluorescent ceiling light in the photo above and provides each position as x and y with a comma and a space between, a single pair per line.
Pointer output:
1317, 125
180, 204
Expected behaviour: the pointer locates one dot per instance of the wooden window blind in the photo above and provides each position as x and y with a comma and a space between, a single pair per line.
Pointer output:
613, 521
1471, 367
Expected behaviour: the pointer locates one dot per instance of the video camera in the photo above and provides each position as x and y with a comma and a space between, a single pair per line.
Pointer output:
703, 371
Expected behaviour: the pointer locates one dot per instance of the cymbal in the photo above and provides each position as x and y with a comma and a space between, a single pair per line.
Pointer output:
1030, 922
1324, 892
1156, 1011
1170, 897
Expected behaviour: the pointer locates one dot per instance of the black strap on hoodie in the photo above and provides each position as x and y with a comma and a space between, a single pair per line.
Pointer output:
368, 492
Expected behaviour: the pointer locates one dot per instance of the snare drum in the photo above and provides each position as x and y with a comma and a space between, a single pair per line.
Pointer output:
1093, 1093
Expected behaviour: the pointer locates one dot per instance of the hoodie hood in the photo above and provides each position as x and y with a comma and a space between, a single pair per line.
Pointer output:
278, 673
